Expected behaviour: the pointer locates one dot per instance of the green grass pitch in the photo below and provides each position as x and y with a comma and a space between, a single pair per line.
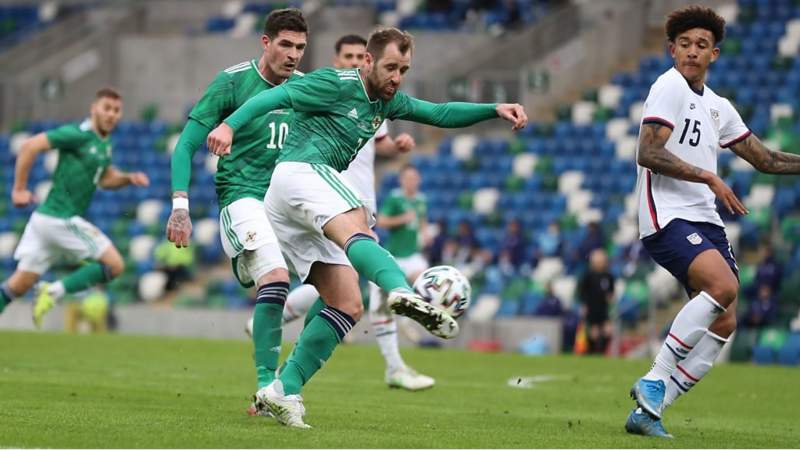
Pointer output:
119, 391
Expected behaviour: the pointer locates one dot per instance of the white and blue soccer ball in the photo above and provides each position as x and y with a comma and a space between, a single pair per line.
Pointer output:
445, 287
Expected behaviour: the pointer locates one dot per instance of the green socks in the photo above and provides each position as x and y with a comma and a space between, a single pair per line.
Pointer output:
87, 276
267, 322
375, 263
314, 346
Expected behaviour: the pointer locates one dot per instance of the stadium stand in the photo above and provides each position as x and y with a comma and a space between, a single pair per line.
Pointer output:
565, 175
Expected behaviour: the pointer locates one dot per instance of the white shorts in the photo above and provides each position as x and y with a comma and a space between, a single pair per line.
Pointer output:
48, 240
301, 199
244, 227
413, 264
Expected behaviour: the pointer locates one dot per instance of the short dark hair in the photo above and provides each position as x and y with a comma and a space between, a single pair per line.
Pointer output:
349, 39
695, 16
289, 19
107, 92
381, 38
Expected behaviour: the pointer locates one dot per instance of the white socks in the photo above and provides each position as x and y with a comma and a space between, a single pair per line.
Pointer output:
299, 301
694, 367
689, 326
385, 328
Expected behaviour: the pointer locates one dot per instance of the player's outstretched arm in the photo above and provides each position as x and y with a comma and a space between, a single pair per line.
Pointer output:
461, 114
220, 139
752, 150
179, 224
20, 195
114, 178
654, 156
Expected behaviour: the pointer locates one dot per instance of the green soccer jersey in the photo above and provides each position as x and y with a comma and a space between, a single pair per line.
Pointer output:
403, 240
246, 172
83, 156
334, 116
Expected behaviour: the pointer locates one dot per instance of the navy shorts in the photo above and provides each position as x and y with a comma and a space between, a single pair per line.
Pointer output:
676, 245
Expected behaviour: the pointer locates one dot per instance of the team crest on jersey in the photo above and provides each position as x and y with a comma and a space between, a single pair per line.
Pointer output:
376, 122
715, 117
694, 238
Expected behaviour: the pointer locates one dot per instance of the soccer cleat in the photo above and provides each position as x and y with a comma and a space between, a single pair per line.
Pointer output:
649, 395
639, 422
408, 378
44, 302
434, 319
287, 409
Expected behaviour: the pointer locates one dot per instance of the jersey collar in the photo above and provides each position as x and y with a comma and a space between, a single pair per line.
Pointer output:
255, 67
696, 91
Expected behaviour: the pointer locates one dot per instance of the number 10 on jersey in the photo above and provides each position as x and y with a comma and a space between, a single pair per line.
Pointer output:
283, 130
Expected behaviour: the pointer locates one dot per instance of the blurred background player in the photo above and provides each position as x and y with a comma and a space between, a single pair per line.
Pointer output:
350, 53
320, 220
57, 229
678, 221
243, 176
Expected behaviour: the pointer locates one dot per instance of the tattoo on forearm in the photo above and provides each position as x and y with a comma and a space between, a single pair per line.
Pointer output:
765, 160
655, 157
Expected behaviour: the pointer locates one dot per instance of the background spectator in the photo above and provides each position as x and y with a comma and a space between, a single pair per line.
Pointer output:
596, 293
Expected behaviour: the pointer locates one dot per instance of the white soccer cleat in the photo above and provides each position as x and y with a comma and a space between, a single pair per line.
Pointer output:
287, 409
408, 378
437, 321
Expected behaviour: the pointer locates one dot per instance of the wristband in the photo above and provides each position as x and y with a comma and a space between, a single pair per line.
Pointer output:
180, 203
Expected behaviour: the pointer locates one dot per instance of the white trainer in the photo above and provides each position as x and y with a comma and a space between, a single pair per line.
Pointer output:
408, 378
437, 321
287, 409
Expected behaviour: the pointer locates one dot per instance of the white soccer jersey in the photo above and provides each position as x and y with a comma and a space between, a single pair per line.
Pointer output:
361, 171
701, 123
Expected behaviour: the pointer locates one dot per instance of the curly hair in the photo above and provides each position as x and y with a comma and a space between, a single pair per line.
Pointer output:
695, 16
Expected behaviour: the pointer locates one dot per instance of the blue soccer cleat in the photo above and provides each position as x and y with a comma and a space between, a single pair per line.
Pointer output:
649, 395
639, 422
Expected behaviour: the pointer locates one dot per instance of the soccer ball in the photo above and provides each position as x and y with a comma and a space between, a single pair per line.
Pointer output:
446, 288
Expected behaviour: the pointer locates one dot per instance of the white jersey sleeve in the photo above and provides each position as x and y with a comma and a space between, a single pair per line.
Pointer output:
664, 102
732, 128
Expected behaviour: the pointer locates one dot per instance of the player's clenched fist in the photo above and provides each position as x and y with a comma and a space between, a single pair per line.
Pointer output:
219, 140
21, 198
514, 113
404, 143
139, 179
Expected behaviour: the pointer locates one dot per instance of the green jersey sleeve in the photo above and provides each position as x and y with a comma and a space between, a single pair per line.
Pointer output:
442, 115
192, 138
317, 91
215, 102
67, 137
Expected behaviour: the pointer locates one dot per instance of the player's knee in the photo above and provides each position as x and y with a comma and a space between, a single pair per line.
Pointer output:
114, 268
723, 291
278, 275
354, 309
